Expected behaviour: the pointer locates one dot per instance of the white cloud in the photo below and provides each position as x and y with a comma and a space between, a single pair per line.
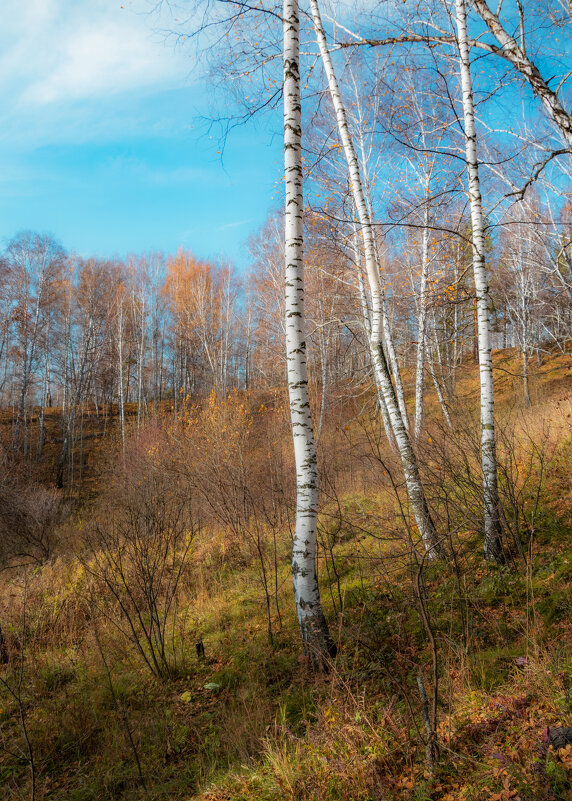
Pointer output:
60, 51
236, 224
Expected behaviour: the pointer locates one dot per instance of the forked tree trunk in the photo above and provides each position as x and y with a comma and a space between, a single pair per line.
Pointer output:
387, 341
382, 375
367, 325
492, 521
388, 344
390, 349
313, 626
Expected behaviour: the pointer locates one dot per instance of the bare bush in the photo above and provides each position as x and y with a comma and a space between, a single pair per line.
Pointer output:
138, 556
232, 458
29, 517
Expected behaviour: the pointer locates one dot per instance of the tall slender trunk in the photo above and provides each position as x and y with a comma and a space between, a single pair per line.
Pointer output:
422, 318
313, 625
248, 343
451, 386
176, 377
29, 352
525, 380
323, 348
44, 401
437, 383
387, 334
140, 360
414, 486
391, 353
525, 297
492, 521
365, 310
79, 379
162, 363
226, 338
120, 369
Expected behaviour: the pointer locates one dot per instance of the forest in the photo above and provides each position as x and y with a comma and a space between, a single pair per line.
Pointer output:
303, 531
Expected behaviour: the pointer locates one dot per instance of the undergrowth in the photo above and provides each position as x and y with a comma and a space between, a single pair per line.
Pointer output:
84, 716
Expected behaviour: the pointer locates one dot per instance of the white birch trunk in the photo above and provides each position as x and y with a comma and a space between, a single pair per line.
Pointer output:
414, 486
451, 387
323, 346
391, 354
492, 521
437, 385
43, 402
313, 627
516, 54
140, 355
385, 327
525, 380
367, 325
29, 352
120, 368
422, 319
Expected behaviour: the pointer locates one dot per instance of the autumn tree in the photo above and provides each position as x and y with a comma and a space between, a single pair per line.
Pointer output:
202, 299
35, 262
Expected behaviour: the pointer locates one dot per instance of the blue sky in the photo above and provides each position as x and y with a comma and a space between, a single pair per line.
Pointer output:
101, 141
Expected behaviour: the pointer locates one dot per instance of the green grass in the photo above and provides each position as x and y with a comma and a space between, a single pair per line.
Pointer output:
271, 729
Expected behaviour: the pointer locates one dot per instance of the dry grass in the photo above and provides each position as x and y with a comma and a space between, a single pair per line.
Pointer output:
249, 721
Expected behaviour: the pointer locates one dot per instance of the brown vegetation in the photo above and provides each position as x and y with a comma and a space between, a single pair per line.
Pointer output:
186, 538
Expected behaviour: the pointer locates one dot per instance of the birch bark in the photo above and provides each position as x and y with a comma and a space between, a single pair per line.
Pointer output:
422, 317
30, 340
120, 332
492, 520
365, 310
313, 626
415, 489
436, 382
393, 362
517, 56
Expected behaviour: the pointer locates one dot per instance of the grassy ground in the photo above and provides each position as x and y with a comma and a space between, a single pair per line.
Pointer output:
83, 717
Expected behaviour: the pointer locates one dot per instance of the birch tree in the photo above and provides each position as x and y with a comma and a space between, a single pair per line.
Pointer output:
514, 50
421, 128
313, 626
36, 262
385, 387
492, 515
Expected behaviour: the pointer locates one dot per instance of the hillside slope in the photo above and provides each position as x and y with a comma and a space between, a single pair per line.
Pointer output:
105, 692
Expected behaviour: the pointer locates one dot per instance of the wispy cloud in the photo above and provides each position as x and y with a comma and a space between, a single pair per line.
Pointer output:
131, 168
236, 224
55, 51
96, 111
